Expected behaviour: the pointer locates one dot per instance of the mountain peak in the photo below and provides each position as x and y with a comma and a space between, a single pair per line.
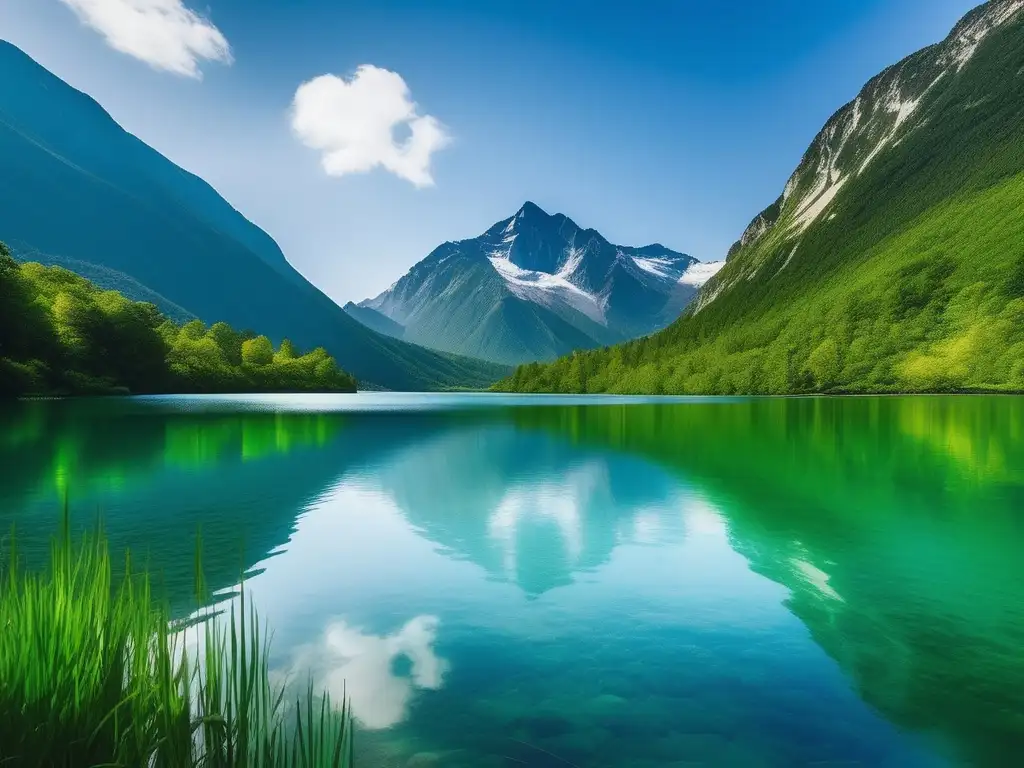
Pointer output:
530, 208
536, 285
529, 215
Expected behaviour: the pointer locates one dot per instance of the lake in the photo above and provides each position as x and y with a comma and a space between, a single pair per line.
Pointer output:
600, 581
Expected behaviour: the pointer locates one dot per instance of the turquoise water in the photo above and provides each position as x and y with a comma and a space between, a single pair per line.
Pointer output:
561, 581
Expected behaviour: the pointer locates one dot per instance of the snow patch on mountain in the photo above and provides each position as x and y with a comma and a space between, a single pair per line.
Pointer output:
902, 108
700, 272
966, 41
547, 289
881, 115
814, 207
828, 178
661, 267
503, 250
573, 259
552, 290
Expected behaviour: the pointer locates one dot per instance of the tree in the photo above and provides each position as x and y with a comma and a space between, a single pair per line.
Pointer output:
17, 379
229, 341
199, 365
7, 263
60, 334
824, 363
194, 329
326, 372
76, 321
137, 352
258, 351
285, 352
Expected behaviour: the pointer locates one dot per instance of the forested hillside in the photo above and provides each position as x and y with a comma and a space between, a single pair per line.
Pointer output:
894, 260
80, 191
60, 334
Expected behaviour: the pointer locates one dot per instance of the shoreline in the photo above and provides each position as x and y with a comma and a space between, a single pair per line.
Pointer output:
454, 393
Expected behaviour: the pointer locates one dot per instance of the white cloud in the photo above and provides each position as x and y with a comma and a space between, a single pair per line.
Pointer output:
352, 123
163, 33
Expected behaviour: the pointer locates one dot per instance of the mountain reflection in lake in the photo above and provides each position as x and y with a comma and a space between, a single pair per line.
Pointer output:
727, 582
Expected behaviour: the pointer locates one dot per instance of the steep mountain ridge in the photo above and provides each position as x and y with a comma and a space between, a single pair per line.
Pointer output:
536, 285
892, 260
374, 320
890, 108
80, 188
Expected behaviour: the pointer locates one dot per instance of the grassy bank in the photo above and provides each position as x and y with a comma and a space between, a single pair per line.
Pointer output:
76, 691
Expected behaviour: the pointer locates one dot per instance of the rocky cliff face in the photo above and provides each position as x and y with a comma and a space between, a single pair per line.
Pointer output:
889, 110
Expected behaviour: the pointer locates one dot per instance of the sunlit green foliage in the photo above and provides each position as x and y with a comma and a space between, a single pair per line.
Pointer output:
913, 281
92, 672
939, 307
59, 334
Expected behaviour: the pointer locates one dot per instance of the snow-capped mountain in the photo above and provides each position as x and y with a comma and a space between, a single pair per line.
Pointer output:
535, 286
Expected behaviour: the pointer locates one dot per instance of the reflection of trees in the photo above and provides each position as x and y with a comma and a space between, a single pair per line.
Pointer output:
895, 522
158, 474
158, 478
50, 447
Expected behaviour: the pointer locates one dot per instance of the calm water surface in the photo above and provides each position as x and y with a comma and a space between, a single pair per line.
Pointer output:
587, 581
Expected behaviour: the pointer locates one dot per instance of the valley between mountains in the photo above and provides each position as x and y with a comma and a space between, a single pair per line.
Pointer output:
892, 261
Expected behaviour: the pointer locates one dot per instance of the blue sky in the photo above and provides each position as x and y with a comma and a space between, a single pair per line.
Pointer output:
657, 121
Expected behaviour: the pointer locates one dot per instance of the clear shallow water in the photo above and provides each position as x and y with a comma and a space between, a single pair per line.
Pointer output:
597, 582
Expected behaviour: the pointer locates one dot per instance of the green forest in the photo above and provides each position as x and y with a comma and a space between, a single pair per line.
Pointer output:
61, 335
936, 308
913, 281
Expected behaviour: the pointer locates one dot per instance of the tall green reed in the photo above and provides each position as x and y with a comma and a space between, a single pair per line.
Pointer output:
93, 672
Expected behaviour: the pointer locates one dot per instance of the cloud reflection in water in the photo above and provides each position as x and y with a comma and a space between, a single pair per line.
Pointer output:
366, 668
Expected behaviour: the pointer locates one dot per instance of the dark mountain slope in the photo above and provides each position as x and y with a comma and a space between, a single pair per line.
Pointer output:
374, 320
77, 186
